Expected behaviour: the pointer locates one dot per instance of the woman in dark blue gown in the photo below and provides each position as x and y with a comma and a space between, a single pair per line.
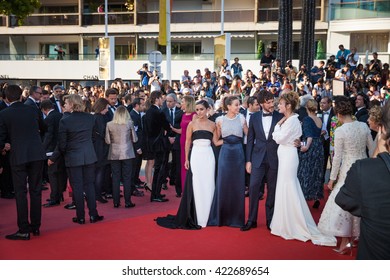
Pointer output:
311, 156
228, 208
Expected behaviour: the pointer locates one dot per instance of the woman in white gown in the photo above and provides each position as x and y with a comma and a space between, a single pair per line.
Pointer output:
194, 209
351, 140
292, 218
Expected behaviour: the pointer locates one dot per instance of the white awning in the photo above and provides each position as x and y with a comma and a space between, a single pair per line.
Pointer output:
196, 36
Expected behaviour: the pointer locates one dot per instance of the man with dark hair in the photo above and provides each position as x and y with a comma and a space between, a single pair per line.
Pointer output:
262, 158
155, 127
58, 92
112, 98
361, 103
19, 124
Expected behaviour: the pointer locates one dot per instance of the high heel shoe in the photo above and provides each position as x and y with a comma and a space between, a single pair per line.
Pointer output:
346, 250
355, 242
147, 188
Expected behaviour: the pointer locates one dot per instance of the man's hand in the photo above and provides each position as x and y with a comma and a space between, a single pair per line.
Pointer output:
50, 162
248, 167
7, 147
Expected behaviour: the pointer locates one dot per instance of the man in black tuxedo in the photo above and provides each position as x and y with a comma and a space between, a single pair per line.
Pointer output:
58, 92
19, 124
262, 158
173, 115
326, 115
111, 95
56, 169
138, 106
155, 128
361, 104
112, 98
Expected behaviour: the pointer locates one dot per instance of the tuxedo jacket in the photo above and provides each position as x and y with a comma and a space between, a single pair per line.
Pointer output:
259, 147
75, 139
331, 114
50, 139
155, 123
362, 115
42, 125
177, 120
137, 121
53, 100
19, 124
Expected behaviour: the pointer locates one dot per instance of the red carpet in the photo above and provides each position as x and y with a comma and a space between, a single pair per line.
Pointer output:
132, 234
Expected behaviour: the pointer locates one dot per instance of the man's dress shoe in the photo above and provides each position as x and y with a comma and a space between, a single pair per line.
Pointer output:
70, 206
248, 226
80, 221
35, 232
51, 203
159, 199
95, 219
129, 205
101, 199
18, 236
178, 195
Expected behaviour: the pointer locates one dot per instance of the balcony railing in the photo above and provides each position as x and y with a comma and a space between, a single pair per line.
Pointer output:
52, 19
113, 18
272, 14
197, 17
360, 10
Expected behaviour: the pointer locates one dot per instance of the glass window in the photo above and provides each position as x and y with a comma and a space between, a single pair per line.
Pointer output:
370, 41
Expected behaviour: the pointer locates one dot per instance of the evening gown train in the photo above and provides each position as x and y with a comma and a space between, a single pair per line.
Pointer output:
292, 218
228, 208
194, 209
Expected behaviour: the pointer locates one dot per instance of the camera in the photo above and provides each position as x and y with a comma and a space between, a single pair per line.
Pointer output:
290, 66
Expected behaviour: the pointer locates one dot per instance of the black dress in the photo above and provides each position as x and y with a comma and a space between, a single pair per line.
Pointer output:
310, 169
186, 216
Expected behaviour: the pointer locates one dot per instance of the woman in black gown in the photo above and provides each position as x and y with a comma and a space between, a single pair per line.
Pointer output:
199, 186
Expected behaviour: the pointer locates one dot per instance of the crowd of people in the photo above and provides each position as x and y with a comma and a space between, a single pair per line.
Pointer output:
218, 137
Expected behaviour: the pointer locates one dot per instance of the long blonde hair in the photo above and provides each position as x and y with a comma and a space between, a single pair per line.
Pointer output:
121, 115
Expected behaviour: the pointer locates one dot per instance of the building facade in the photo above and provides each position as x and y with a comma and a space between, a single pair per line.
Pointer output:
30, 52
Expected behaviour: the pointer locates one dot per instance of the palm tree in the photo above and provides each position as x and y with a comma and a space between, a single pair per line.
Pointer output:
306, 46
285, 42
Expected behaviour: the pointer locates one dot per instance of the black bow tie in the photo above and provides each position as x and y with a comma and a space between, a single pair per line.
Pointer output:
267, 114
326, 113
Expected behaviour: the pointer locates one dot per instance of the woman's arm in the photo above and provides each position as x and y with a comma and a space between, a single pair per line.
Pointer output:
217, 135
188, 145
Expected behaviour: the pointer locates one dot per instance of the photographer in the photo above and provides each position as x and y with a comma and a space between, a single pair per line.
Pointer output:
144, 75
375, 65
154, 82
343, 74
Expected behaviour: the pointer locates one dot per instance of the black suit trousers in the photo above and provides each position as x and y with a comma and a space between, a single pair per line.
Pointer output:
82, 180
30, 172
121, 169
57, 178
255, 188
137, 163
158, 175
